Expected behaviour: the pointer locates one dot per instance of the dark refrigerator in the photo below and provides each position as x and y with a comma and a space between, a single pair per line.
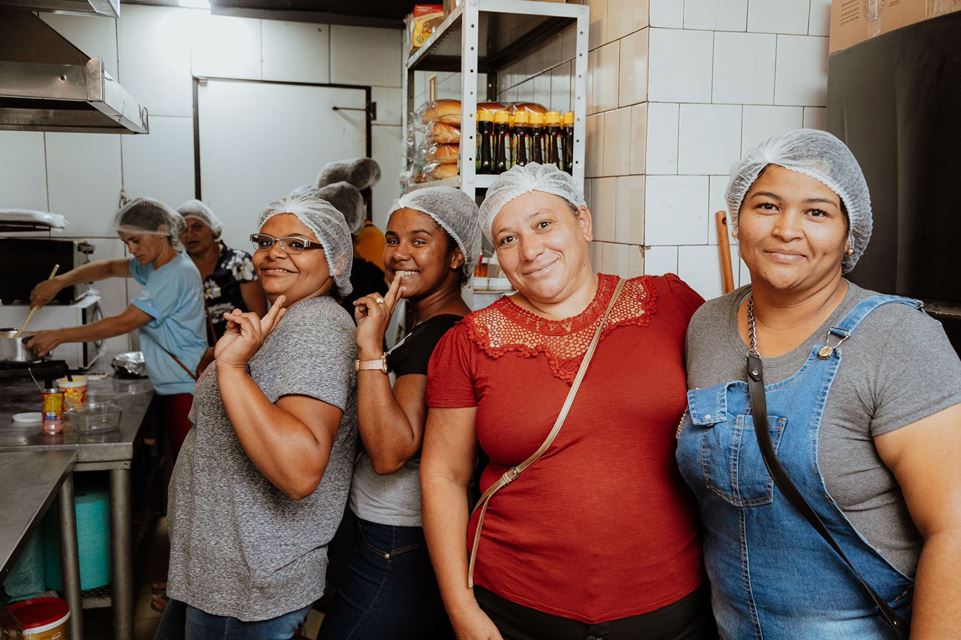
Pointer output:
896, 101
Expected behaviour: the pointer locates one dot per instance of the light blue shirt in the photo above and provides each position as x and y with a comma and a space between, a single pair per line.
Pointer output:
173, 297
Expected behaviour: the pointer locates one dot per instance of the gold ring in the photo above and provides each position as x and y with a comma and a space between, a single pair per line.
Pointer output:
379, 300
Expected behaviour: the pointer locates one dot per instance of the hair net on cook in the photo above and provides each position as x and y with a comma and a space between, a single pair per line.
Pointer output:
454, 211
819, 155
546, 178
149, 216
347, 199
199, 210
360, 172
328, 225
303, 190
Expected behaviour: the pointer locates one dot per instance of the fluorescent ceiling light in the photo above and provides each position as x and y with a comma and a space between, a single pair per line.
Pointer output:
194, 4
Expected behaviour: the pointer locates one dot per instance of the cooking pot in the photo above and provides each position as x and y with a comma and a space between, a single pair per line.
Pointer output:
15, 349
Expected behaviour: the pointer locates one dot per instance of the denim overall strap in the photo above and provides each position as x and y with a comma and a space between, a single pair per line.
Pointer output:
772, 575
850, 322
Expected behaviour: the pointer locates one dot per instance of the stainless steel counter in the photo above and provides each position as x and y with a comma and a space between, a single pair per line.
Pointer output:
133, 396
109, 450
30, 481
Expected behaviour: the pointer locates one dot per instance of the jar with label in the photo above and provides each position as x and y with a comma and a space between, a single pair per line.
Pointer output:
485, 141
51, 409
568, 125
503, 159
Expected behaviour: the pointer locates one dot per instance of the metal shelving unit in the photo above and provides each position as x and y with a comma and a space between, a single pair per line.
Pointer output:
484, 36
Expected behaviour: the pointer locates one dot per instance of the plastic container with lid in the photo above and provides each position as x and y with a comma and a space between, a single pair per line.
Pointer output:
42, 618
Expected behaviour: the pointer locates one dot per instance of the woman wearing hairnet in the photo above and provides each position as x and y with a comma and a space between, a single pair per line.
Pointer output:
389, 592
365, 276
261, 484
168, 313
228, 274
862, 394
599, 536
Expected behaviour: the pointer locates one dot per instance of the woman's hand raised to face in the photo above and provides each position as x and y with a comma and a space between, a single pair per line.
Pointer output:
245, 334
372, 314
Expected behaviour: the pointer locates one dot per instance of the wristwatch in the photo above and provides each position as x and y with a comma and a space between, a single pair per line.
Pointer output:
377, 364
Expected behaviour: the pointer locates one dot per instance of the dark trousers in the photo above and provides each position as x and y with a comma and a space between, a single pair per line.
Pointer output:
175, 410
689, 618
180, 621
389, 590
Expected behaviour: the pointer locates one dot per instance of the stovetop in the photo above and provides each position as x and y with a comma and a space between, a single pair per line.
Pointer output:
43, 370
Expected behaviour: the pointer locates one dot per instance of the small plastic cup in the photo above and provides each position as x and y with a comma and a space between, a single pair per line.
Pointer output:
74, 391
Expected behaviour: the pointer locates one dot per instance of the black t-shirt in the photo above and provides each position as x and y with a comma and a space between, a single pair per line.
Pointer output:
222, 288
365, 278
411, 354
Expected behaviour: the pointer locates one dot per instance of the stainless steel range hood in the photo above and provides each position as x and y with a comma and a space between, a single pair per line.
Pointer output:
47, 84
108, 8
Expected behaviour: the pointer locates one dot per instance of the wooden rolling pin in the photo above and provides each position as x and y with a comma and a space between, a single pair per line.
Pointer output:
33, 310
724, 249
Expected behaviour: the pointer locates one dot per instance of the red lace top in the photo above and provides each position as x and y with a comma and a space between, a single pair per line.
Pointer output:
602, 526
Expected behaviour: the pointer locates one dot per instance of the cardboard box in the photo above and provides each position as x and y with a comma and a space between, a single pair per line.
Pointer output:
854, 21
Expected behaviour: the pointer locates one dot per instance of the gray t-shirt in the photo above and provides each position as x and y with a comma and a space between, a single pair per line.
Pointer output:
238, 546
898, 367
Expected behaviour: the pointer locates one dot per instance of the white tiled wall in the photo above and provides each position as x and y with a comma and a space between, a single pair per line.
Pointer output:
678, 91
155, 52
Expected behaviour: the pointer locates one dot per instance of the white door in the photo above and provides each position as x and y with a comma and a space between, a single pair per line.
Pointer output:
259, 140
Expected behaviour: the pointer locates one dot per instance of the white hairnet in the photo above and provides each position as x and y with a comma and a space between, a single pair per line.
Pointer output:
149, 216
303, 190
199, 210
328, 225
454, 211
347, 199
819, 155
546, 178
360, 172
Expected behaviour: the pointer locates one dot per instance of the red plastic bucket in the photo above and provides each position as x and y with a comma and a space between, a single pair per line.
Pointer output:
42, 618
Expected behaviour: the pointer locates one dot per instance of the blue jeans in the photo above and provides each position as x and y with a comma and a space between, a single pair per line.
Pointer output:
772, 576
180, 621
389, 590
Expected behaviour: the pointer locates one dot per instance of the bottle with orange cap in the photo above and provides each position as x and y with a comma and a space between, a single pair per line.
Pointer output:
568, 126
485, 141
555, 140
537, 137
503, 159
523, 141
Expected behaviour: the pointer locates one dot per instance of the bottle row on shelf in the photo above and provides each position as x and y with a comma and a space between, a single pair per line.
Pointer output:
508, 134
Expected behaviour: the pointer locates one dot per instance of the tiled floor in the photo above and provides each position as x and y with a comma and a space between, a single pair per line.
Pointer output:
153, 568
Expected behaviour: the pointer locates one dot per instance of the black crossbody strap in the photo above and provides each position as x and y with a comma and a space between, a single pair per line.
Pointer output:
755, 383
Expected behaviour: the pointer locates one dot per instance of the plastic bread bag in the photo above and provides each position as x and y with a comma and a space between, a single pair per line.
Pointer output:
442, 153
443, 133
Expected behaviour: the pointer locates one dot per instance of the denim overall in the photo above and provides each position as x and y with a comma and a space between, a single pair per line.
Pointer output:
772, 576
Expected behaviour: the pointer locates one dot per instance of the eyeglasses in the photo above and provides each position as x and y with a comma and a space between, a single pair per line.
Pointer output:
292, 246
